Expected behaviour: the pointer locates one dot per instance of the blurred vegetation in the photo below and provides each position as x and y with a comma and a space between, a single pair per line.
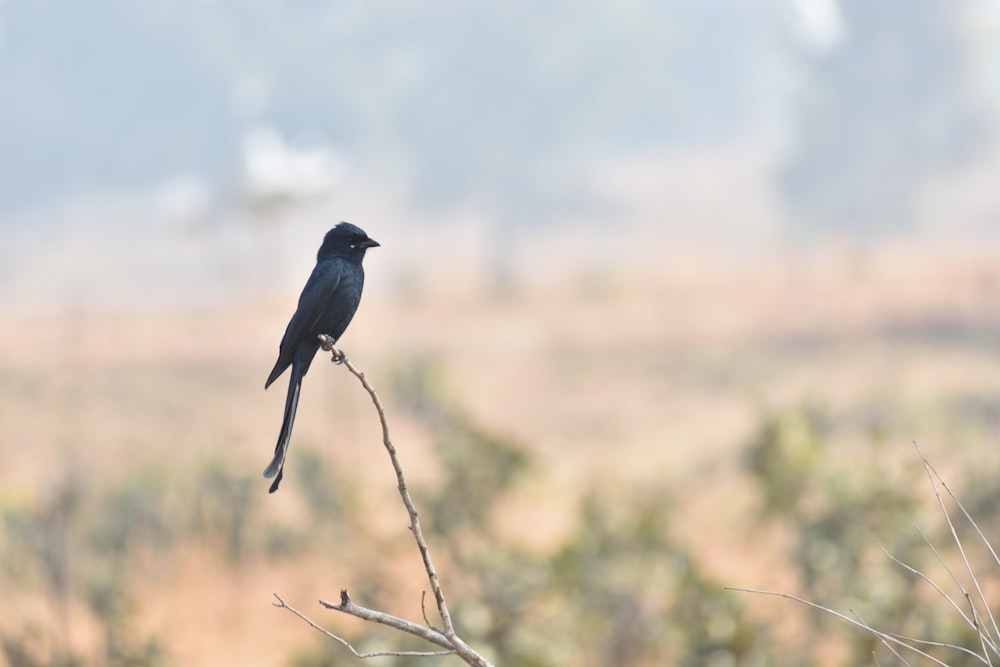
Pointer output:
619, 586
849, 513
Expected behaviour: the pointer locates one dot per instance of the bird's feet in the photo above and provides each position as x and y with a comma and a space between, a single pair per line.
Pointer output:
327, 343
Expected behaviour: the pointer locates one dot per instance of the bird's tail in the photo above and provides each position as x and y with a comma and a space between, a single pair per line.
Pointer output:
277, 465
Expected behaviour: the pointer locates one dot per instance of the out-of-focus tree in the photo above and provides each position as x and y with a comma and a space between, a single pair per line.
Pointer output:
886, 107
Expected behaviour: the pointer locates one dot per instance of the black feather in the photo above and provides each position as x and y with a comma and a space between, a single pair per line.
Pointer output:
326, 306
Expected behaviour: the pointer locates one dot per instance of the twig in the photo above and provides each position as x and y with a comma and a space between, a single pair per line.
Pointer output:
917, 640
281, 604
885, 637
447, 637
340, 358
927, 579
973, 622
423, 609
431, 635
984, 642
987, 641
932, 475
889, 646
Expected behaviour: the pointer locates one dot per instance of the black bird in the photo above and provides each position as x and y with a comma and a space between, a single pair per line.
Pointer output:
326, 306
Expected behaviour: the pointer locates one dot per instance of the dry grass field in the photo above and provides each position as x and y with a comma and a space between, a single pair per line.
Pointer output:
625, 378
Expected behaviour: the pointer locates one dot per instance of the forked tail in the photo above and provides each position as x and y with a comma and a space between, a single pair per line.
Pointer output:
277, 465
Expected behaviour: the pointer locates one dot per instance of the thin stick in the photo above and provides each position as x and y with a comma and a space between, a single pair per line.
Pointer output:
418, 534
462, 649
877, 633
281, 604
431, 635
930, 581
931, 475
884, 643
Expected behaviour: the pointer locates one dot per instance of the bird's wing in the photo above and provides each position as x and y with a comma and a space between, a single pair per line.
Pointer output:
313, 301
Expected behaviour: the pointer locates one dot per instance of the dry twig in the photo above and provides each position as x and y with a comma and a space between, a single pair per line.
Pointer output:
446, 638
281, 604
988, 635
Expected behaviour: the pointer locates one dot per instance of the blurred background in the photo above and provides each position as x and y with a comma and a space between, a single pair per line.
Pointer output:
666, 292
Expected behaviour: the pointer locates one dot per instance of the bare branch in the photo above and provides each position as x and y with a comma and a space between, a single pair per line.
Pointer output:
889, 646
281, 604
932, 475
930, 581
418, 534
423, 609
917, 640
988, 635
454, 642
446, 638
885, 637
347, 606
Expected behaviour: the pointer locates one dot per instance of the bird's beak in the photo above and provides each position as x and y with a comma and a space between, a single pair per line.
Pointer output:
370, 243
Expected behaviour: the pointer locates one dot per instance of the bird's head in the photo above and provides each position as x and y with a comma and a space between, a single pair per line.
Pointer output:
345, 240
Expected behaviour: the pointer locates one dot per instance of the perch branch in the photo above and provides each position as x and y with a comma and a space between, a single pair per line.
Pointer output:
418, 534
462, 649
445, 638
281, 604
429, 634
